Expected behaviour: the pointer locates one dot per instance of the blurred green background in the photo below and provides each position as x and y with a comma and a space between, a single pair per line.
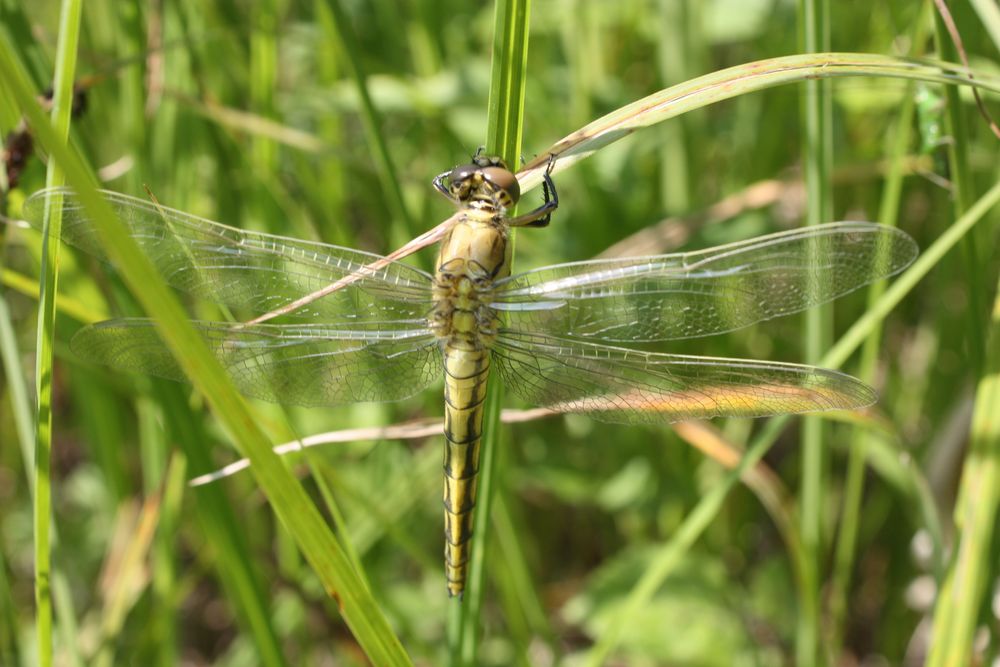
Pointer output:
245, 113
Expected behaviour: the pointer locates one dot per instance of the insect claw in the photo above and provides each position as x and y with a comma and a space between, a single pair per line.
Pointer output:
551, 164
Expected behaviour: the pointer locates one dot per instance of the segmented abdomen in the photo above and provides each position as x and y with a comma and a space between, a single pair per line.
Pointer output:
466, 373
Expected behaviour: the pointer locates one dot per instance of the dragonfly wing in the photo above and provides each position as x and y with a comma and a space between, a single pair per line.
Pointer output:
627, 386
688, 295
306, 364
247, 270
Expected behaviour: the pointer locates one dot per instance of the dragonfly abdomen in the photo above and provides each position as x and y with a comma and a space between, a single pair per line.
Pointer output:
467, 370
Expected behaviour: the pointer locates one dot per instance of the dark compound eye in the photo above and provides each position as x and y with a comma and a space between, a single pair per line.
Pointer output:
461, 172
505, 180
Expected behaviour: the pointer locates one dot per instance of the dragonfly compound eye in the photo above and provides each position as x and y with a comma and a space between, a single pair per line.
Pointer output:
461, 173
459, 180
505, 182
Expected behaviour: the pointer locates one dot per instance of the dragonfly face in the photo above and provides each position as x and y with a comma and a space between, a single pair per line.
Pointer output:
486, 181
561, 336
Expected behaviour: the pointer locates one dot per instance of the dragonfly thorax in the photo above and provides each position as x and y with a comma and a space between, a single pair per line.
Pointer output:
461, 314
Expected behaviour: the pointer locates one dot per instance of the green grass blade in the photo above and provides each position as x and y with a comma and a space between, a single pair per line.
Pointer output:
960, 597
337, 25
510, 55
17, 387
69, 34
960, 175
263, 80
868, 367
239, 575
503, 138
861, 439
817, 112
164, 566
989, 16
68, 630
296, 512
907, 281
957, 612
84, 313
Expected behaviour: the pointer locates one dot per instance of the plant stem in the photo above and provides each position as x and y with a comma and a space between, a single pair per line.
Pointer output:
817, 110
503, 138
69, 34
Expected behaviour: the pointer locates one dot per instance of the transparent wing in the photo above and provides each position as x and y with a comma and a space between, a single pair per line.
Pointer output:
688, 295
247, 270
309, 364
626, 386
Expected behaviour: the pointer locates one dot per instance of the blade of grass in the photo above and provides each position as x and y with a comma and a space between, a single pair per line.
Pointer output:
960, 175
817, 112
10, 650
68, 630
232, 558
989, 16
503, 138
959, 599
81, 312
671, 553
17, 31
164, 566
524, 613
69, 34
732, 82
263, 80
862, 439
867, 370
298, 515
18, 388
956, 613
675, 53
336, 24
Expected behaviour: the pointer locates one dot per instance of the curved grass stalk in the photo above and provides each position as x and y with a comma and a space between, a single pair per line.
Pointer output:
733, 82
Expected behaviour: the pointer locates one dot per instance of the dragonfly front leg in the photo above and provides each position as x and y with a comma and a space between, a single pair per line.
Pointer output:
439, 185
541, 216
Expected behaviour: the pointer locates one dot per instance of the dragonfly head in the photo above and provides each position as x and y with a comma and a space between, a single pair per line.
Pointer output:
485, 179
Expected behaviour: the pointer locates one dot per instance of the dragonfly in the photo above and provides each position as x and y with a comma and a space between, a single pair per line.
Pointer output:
567, 337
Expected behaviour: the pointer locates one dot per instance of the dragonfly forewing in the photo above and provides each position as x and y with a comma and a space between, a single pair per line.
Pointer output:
308, 364
689, 295
249, 271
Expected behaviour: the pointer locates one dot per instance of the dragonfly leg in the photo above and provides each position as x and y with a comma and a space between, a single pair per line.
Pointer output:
439, 185
541, 216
